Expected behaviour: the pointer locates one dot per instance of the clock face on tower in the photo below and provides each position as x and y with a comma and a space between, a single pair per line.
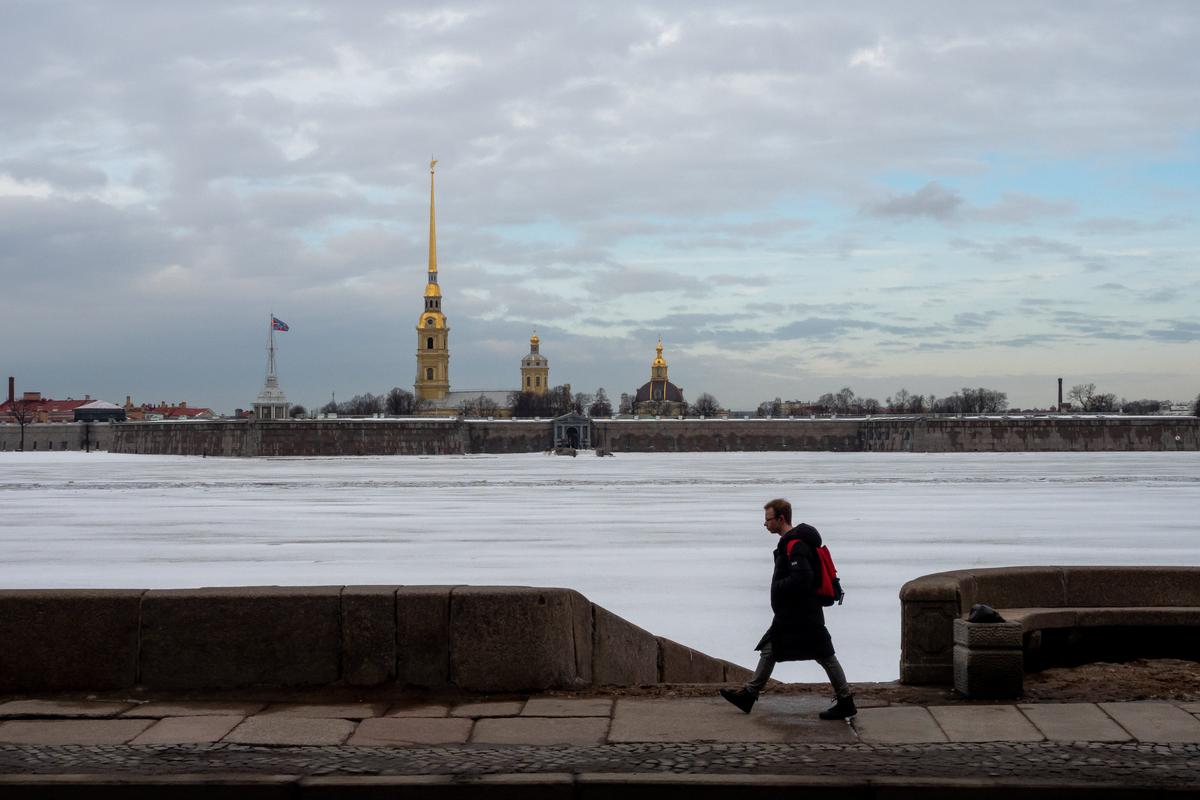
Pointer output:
429, 322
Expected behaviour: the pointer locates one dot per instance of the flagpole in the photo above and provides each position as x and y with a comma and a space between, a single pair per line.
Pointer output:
271, 346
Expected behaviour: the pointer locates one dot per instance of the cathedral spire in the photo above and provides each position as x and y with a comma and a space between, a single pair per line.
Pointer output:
432, 228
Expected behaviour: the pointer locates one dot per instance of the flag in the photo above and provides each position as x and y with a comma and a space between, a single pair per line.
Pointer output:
277, 324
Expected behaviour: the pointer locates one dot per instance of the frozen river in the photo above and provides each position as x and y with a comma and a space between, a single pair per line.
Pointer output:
672, 542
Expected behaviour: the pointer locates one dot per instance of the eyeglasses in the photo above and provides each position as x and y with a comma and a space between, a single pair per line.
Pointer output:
769, 520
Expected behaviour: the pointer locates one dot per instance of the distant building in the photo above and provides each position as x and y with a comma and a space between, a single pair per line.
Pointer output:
38, 408
271, 402
535, 369
659, 396
99, 411
180, 410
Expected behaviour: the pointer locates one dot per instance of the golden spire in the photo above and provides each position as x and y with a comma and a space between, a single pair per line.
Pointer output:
432, 227
534, 339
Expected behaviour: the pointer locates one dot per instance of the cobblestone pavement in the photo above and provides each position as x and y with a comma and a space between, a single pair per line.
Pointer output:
1175, 765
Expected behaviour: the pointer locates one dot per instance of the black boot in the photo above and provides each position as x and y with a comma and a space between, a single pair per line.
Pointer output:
842, 709
740, 698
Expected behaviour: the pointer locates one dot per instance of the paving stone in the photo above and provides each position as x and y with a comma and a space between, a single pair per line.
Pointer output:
568, 707
419, 710
412, 730
1155, 722
326, 710
985, 724
205, 708
61, 708
188, 730
1074, 722
541, 730
285, 730
712, 719
898, 725
72, 731
506, 708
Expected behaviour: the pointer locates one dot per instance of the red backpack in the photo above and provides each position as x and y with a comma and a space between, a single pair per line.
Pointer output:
829, 588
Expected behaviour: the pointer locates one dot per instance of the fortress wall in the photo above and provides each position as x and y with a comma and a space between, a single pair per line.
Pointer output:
508, 436
1050, 434
190, 438
423, 436
57, 436
697, 435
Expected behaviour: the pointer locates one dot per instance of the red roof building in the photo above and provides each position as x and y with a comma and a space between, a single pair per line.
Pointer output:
41, 409
181, 410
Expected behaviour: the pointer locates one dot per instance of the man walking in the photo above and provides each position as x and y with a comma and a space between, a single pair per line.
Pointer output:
798, 631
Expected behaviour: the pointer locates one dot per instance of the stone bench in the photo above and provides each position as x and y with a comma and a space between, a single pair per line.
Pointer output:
1061, 614
468, 638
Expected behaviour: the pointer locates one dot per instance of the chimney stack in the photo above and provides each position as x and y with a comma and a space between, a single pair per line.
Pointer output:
12, 389
1060, 395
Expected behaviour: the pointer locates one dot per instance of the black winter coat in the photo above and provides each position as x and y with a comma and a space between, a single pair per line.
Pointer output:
798, 631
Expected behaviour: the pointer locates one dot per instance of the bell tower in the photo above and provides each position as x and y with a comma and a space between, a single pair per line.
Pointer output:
433, 349
535, 369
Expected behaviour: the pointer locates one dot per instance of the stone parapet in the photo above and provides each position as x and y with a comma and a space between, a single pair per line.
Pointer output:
1037, 599
54, 640
470, 638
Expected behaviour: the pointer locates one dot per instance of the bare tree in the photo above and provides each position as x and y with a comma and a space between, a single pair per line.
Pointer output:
297, 411
626, 405
1091, 400
972, 401
479, 407
898, 403
600, 406
581, 402
706, 405
401, 402
1144, 406
21, 411
553, 403
770, 408
361, 405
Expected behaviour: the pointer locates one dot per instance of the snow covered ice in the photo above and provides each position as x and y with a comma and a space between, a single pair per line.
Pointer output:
672, 542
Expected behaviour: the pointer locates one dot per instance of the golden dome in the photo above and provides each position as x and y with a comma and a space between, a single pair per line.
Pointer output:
534, 339
658, 360
432, 290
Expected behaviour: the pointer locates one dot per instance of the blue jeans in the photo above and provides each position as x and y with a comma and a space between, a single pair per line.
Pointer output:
767, 662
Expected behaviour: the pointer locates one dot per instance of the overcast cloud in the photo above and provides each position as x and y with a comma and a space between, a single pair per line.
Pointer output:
797, 198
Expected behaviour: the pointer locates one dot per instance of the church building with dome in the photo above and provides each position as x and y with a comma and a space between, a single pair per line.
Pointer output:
658, 395
432, 384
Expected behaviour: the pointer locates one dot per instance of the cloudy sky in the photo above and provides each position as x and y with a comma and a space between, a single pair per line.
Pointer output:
918, 195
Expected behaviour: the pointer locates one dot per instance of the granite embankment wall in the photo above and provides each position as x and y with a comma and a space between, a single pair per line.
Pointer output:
348, 437
57, 436
468, 638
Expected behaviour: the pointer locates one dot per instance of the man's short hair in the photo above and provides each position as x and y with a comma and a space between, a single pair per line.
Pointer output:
780, 508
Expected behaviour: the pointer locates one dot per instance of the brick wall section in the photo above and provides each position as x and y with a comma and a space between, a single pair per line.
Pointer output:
471, 638
442, 437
